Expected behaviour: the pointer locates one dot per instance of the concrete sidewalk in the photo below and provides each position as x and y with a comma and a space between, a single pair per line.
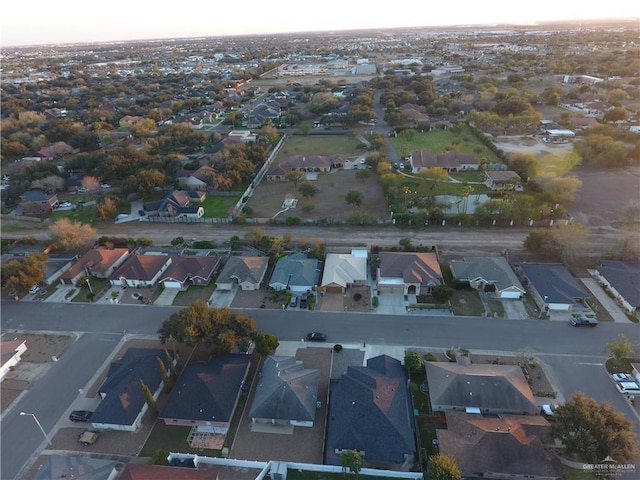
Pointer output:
607, 302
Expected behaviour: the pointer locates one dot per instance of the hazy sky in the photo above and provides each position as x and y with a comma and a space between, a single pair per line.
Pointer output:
24, 22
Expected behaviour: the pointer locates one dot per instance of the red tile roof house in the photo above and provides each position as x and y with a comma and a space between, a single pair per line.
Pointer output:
37, 201
498, 180
99, 262
190, 270
140, 270
450, 161
305, 163
409, 273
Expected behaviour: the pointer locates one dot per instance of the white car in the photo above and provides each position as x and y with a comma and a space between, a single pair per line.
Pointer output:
547, 410
35, 289
621, 377
105, 185
64, 204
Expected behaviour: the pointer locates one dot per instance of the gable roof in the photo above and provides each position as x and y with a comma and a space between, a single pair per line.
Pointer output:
286, 390
244, 269
124, 396
509, 445
413, 267
495, 387
344, 269
141, 267
624, 277
175, 202
36, 196
97, 260
502, 175
185, 267
207, 391
554, 281
369, 411
493, 269
56, 467
296, 270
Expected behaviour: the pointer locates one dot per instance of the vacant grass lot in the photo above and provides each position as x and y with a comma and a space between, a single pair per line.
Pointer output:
86, 214
215, 207
437, 141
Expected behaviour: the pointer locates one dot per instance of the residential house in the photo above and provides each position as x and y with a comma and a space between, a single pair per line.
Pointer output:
56, 266
11, 350
143, 471
296, 273
140, 270
207, 393
263, 113
178, 204
245, 272
81, 466
244, 136
188, 270
369, 411
552, 286
37, 201
479, 388
344, 270
409, 273
98, 262
486, 274
305, 163
413, 114
197, 180
622, 280
499, 446
499, 180
123, 402
451, 161
286, 393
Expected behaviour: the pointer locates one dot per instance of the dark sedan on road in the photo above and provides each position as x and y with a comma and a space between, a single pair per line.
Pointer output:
316, 337
80, 416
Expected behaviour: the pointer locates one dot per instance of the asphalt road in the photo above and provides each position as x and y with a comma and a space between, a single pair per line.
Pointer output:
572, 353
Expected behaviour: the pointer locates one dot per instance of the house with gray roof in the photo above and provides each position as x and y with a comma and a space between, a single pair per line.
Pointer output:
409, 273
286, 393
499, 446
36, 201
123, 401
369, 411
296, 273
244, 272
552, 286
344, 270
207, 393
56, 467
490, 273
622, 280
178, 203
489, 388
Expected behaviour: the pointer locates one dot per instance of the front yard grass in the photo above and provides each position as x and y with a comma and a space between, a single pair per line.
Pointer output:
84, 294
86, 214
193, 293
467, 303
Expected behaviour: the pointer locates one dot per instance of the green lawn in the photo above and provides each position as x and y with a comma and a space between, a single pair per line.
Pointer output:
97, 285
420, 187
215, 207
193, 293
437, 141
85, 214
466, 302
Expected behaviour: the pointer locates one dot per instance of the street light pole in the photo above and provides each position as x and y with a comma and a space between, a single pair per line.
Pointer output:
35, 419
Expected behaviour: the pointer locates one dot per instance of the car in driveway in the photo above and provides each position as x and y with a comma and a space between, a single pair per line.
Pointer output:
88, 437
547, 410
80, 415
622, 377
294, 302
35, 289
316, 337
583, 322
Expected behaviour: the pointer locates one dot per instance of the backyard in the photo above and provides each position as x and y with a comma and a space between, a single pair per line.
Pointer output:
218, 206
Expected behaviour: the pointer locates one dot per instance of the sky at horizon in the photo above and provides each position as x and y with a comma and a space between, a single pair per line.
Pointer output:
71, 21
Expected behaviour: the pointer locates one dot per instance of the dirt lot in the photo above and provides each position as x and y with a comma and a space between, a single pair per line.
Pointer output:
329, 202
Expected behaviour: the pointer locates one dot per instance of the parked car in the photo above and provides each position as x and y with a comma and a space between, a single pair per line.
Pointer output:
622, 377
35, 289
105, 186
293, 302
303, 300
80, 415
628, 388
547, 410
82, 190
316, 337
88, 437
64, 204
583, 322
122, 216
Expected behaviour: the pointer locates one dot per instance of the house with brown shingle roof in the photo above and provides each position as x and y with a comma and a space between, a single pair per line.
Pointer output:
140, 270
413, 113
502, 446
409, 273
197, 180
245, 272
498, 180
305, 163
190, 270
450, 161
99, 262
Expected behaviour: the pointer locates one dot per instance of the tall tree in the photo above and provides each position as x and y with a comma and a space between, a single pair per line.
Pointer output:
593, 431
21, 273
151, 402
354, 197
107, 207
307, 189
443, 467
70, 235
352, 460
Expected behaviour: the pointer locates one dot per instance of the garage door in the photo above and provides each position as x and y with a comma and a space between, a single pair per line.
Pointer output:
515, 295
397, 289
172, 285
334, 289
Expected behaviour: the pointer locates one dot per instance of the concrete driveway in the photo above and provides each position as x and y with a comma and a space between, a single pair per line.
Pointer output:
393, 303
222, 298
605, 300
514, 309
